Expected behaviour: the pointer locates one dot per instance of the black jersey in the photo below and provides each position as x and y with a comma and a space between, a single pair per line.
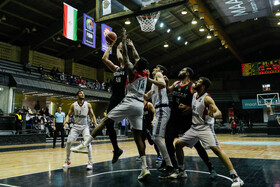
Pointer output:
148, 116
181, 94
119, 83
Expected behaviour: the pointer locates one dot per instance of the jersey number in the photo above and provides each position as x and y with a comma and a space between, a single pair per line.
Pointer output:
118, 79
141, 85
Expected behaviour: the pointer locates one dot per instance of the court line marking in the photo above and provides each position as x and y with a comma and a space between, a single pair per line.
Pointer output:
62, 168
129, 170
8, 185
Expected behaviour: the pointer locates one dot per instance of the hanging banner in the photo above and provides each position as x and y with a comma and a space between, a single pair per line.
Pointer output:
105, 29
106, 7
239, 10
89, 33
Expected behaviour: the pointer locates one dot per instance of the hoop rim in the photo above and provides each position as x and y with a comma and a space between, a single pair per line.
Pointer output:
149, 16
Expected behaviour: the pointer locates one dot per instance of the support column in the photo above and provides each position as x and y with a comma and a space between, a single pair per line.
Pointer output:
10, 100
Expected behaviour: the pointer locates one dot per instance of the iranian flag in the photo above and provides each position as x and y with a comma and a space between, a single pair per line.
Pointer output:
69, 22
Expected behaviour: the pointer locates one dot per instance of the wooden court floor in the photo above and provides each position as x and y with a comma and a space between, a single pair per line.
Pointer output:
256, 153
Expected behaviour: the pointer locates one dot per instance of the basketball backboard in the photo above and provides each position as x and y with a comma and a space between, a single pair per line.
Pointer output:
268, 99
109, 10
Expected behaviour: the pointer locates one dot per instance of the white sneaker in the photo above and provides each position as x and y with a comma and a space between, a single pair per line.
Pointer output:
80, 149
66, 164
89, 166
180, 175
237, 182
144, 174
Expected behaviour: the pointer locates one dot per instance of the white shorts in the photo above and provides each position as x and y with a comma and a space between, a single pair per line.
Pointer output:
207, 137
76, 130
161, 119
131, 109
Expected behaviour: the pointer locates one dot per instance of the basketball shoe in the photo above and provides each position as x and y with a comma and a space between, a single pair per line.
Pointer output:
66, 164
144, 174
80, 149
180, 175
89, 166
236, 181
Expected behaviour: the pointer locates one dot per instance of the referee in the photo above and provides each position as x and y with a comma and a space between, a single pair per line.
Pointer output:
58, 121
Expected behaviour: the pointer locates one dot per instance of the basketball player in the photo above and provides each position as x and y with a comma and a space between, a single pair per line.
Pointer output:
80, 109
148, 117
182, 93
131, 107
204, 110
159, 97
118, 93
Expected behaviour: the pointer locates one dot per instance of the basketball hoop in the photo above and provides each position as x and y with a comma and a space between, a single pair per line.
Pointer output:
268, 104
148, 21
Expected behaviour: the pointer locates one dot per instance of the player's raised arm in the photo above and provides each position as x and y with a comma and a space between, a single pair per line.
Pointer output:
213, 110
134, 51
127, 64
70, 113
91, 114
106, 60
119, 53
148, 95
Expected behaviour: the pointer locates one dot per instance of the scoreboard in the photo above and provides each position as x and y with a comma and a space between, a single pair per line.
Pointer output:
260, 68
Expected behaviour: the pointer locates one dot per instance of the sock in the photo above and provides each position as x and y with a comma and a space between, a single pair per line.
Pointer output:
86, 143
89, 153
162, 147
181, 167
68, 152
233, 172
144, 163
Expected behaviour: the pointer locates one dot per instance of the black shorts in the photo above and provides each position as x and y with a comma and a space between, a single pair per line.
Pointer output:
178, 124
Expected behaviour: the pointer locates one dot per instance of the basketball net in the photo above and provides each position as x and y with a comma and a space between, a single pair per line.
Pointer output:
148, 21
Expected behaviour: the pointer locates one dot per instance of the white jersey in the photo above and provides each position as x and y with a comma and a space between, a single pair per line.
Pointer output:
159, 96
200, 117
81, 113
136, 88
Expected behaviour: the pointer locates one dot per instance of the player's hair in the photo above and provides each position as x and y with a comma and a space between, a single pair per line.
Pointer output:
142, 64
206, 82
79, 92
163, 69
190, 71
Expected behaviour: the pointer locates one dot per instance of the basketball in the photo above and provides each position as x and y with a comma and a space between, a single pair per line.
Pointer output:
111, 37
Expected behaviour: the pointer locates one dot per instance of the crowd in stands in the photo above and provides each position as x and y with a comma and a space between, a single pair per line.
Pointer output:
56, 75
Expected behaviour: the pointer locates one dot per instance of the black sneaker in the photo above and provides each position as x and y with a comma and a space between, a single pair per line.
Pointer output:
116, 156
213, 174
162, 167
167, 173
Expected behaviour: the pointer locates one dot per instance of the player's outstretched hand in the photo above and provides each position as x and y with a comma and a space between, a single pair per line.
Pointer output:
124, 33
129, 43
120, 46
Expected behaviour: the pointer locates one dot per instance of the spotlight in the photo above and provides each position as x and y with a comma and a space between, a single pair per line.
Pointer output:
127, 22
194, 21
165, 45
179, 38
201, 16
208, 36
168, 30
201, 29
161, 25
186, 42
277, 13
184, 12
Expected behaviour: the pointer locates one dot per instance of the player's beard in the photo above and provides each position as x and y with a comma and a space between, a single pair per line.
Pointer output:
182, 76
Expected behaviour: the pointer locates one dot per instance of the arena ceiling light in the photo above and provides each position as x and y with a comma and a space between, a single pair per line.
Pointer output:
201, 29
184, 12
165, 45
186, 42
276, 2
161, 25
194, 21
168, 30
208, 36
127, 22
277, 13
179, 38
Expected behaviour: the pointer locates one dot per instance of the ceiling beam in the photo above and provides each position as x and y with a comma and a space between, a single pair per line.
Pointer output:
210, 20
9, 25
160, 40
34, 10
4, 3
134, 5
24, 19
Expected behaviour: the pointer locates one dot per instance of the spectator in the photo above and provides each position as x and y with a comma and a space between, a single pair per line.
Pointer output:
241, 127
42, 111
29, 110
62, 77
103, 85
233, 126
28, 120
97, 85
37, 106
19, 121
53, 73
57, 73
27, 68
41, 70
